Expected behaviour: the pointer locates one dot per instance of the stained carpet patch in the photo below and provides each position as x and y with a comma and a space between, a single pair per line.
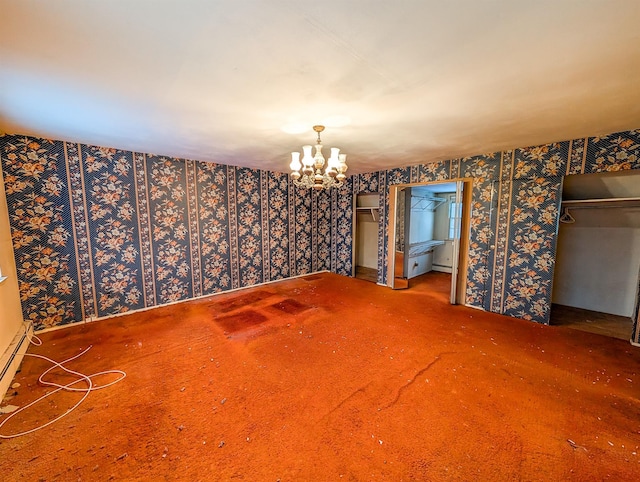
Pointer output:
242, 300
312, 277
241, 321
291, 306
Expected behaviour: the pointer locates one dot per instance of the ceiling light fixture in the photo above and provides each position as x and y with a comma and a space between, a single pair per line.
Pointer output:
310, 174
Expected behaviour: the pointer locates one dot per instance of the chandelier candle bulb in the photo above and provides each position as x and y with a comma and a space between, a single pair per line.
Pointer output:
295, 161
312, 173
342, 163
295, 165
333, 162
342, 168
307, 161
319, 158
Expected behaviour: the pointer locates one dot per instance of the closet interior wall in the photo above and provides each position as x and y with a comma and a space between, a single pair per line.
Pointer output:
598, 255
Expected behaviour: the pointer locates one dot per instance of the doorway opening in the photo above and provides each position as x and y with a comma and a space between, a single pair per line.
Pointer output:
429, 233
597, 271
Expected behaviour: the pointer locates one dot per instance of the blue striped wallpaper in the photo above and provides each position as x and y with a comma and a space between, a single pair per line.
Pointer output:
99, 231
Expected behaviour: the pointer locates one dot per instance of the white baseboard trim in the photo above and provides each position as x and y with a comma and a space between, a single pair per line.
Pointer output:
13, 355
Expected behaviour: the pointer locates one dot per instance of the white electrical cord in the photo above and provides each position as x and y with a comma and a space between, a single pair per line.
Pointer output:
82, 378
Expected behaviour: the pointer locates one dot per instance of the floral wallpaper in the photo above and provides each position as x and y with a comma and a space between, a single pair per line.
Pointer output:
99, 231
616, 152
278, 224
516, 196
170, 234
42, 231
323, 240
113, 239
536, 195
213, 227
485, 171
342, 230
303, 231
249, 222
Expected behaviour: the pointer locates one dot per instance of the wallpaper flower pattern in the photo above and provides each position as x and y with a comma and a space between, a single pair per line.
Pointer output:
536, 190
98, 231
249, 226
515, 205
615, 152
303, 230
342, 239
323, 221
214, 227
485, 171
278, 219
36, 188
169, 228
112, 230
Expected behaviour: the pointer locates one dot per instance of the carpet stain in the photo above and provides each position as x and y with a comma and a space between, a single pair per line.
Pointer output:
291, 306
313, 277
240, 301
254, 393
241, 321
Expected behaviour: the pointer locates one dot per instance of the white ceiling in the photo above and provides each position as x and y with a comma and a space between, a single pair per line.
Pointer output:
396, 82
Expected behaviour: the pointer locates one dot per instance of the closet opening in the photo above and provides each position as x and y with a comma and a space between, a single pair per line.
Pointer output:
366, 237
597, 271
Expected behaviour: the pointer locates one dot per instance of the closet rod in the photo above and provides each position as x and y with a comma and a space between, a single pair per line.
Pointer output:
424, 203
614, 202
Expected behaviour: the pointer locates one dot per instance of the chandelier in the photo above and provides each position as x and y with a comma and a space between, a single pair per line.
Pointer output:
309, 173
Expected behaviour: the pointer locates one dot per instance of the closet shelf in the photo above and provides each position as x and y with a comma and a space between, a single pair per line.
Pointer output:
372, 210
418, 249
619, 202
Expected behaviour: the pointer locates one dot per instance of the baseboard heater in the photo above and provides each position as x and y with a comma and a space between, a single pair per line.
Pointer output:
13, 356
441, 267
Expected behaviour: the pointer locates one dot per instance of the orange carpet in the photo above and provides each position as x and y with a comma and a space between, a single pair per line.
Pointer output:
330, 378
